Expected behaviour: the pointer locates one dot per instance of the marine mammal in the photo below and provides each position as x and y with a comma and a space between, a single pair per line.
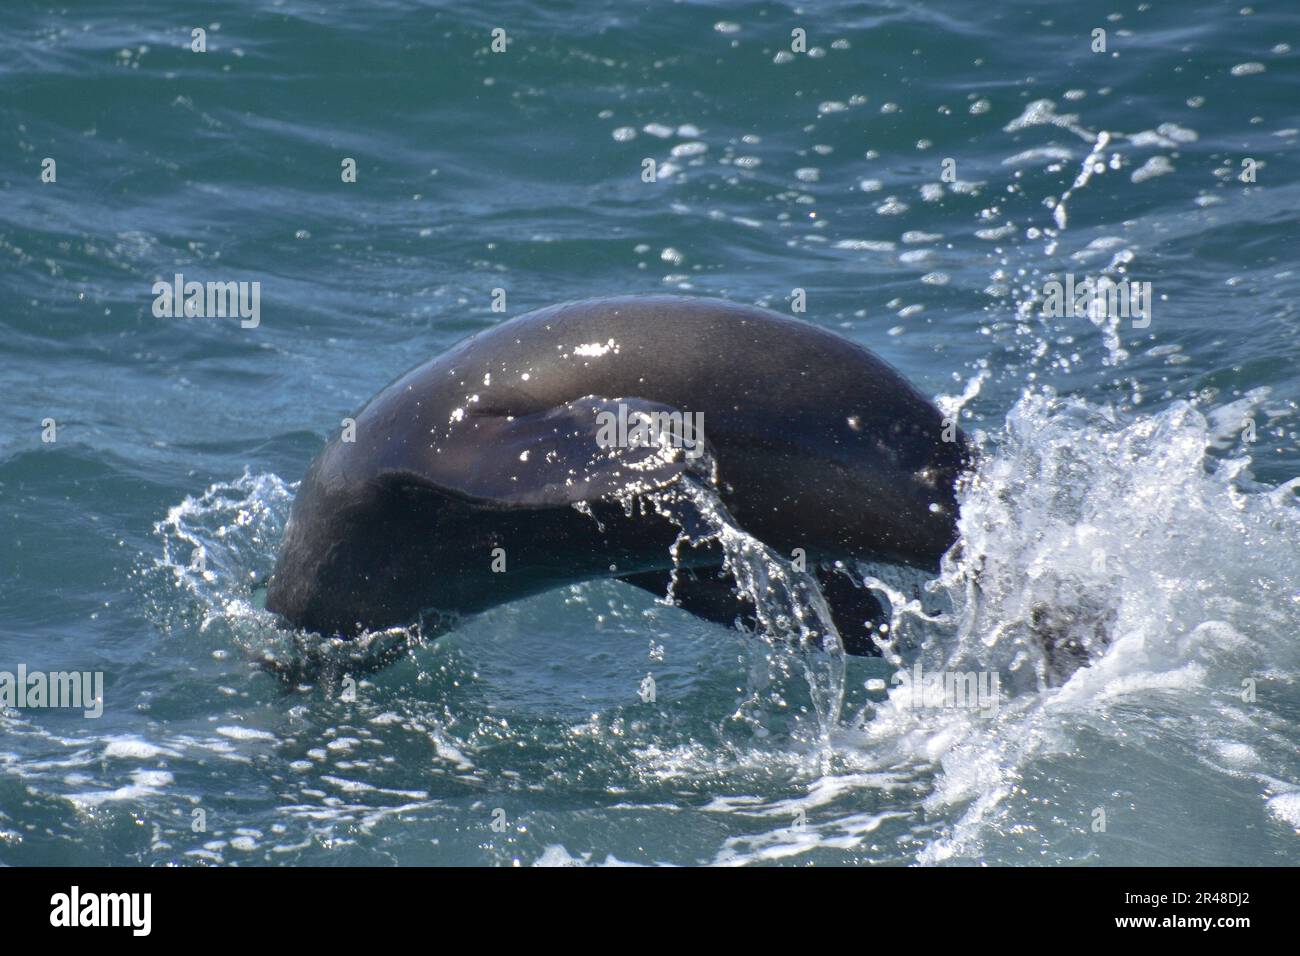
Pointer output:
495, 450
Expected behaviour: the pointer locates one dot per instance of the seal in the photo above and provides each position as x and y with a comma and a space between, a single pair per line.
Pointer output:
510, 465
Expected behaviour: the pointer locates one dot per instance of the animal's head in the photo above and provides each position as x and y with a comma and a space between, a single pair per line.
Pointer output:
358, 554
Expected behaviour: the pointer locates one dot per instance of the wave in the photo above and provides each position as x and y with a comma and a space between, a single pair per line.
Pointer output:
1168, 572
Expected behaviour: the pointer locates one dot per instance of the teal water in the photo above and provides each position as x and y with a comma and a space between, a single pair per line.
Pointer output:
521, 170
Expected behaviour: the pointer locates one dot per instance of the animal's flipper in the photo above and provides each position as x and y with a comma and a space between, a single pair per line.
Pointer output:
591, 449
854, 609
710, 593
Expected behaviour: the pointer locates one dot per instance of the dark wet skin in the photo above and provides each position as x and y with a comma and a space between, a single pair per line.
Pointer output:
818, 445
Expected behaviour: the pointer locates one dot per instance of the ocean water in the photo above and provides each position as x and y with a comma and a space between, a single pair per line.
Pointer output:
921, 170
